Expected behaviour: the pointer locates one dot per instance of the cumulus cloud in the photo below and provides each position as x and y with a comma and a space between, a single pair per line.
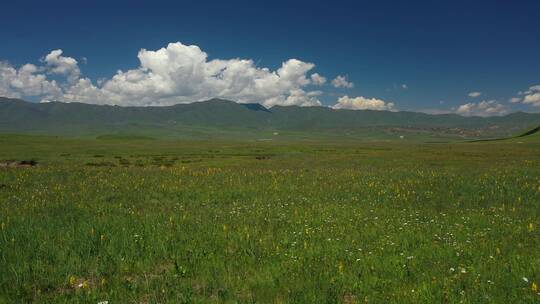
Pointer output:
181, 73
342, 82
174, 74
58, 64
318, 79
533, 99
483, 108
28, 80
531, 90
531, 96
363, 103
475, 94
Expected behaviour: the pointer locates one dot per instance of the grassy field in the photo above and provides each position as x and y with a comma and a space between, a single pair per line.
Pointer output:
131, 220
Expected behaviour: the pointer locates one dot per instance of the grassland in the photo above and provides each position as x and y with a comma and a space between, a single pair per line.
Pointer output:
132, 220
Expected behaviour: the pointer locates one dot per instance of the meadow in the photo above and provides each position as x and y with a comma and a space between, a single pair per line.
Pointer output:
135, 220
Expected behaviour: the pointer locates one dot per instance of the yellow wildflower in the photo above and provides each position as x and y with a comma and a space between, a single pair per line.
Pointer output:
72, 280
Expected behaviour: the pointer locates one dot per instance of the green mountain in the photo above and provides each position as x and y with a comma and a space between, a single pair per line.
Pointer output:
215, 118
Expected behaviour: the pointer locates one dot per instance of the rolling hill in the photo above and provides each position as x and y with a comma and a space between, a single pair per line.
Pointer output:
214, 118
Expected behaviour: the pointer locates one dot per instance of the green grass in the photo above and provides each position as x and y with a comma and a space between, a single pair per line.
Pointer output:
134, 220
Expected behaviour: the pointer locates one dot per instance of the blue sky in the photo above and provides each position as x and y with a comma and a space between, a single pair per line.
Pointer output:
441, 50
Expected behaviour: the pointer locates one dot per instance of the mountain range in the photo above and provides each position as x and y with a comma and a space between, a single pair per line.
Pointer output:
223, 118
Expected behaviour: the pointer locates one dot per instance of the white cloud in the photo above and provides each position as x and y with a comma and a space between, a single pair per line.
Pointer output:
483, 108
26, 81
533, 99
342, 82
180, 73
363, 103
58, 64
535, 88
299, 97
531, 96
84, 91
475, 94
174, 74
404, 86
318, 79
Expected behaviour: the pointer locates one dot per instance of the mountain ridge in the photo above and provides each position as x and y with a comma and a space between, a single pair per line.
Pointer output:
58, 118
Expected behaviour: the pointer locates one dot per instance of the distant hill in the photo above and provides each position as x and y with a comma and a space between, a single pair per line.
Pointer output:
217, 117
